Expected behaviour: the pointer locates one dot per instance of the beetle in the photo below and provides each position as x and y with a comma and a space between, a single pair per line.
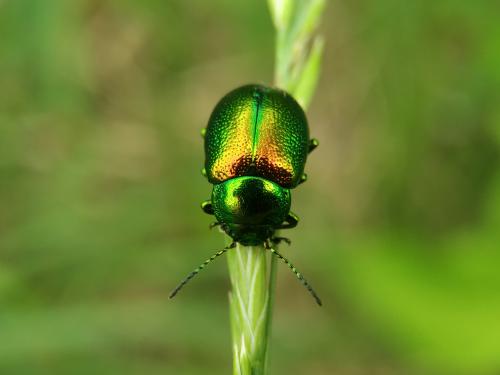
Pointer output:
256, 146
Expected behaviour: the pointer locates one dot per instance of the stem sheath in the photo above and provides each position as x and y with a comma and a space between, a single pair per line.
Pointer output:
250, 301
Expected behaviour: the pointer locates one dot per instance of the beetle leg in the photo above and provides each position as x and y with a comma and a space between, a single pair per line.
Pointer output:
214, 224
204, 172
291, 221
313, 143
203, 131
206, 206
303, 179
278, 240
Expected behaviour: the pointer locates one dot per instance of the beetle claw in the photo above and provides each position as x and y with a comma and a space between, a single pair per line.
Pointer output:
213, 225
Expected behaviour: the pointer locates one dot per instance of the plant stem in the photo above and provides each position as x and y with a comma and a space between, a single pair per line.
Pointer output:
250, 307
253, 277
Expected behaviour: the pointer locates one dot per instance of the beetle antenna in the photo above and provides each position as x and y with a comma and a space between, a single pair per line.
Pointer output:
296, 272
199, 268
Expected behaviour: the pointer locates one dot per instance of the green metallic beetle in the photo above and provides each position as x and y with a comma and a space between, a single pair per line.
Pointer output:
256, 146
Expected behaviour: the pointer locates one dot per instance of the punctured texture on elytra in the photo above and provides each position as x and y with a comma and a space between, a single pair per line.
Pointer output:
257, 131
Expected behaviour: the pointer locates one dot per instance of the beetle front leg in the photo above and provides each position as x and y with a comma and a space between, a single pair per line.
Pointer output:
278, 240
291, 221
207, 208
214, 224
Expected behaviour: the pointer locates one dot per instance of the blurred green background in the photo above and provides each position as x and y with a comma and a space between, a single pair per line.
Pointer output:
101, 103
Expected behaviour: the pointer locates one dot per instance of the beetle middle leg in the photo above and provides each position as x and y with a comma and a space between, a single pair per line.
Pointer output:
313, 143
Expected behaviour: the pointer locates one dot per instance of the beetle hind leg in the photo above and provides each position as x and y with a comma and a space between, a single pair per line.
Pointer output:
303, 178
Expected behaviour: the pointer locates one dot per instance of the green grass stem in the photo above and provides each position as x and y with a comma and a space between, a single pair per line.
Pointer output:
252, 274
